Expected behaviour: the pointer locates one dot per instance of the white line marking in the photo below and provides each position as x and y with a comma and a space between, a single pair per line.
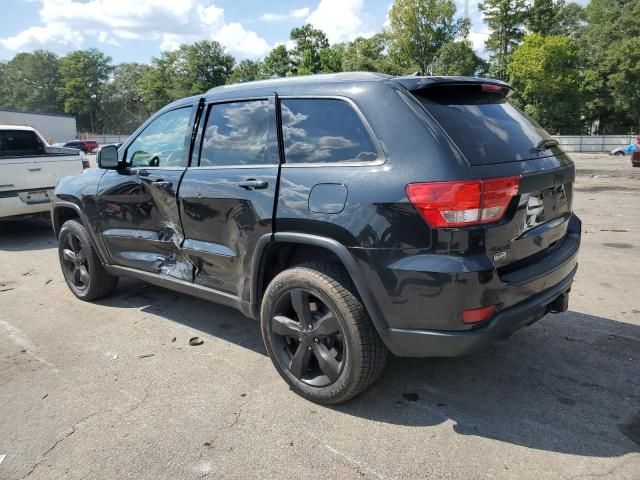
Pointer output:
22, 341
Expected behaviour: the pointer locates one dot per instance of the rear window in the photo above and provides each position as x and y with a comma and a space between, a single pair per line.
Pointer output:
484, 125
324, 130
19, 143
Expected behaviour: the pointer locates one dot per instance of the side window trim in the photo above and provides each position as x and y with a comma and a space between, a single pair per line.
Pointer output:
272, 139
188, 141
382, 157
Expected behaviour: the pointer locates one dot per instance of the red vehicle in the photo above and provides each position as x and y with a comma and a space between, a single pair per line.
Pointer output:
635, 156
87, 146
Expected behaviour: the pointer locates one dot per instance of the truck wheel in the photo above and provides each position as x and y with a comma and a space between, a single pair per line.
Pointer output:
319, 335
83, 272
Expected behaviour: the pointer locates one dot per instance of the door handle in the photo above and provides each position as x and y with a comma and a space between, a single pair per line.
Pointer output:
162, 184
253, 184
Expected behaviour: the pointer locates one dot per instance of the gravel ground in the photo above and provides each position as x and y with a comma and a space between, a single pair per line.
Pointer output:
113, 389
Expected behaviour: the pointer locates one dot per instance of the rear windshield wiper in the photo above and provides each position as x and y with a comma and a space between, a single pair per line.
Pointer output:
546, 144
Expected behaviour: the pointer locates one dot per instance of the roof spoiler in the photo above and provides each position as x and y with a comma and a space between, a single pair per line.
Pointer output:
415, 84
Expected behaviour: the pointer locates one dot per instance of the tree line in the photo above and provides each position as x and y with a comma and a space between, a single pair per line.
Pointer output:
573, 67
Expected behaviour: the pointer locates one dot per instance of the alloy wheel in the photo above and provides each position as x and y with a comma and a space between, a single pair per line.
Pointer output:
74, 261
307, 338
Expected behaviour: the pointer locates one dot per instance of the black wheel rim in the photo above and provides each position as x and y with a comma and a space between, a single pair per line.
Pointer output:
74, 262
307, 338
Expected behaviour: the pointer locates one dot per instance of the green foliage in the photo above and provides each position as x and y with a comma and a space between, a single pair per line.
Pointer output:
606, 40
123, 109
505, 19
545, 72
246, 71
458, 58
368, 55
29, 81
278, 63
82, 75
306, 56
418, 29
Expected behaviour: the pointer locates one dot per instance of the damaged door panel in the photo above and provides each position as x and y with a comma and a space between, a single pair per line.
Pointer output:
227, 200
138, 206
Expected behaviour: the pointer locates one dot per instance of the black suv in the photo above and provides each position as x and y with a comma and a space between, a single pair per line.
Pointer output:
352, 214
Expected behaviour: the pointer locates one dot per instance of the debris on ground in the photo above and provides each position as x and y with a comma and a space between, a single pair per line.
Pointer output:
195, 341
146, 355
48, 282
173, 340
6, 289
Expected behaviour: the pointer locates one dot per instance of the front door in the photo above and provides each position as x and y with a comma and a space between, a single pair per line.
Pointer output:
137, 205
227, 200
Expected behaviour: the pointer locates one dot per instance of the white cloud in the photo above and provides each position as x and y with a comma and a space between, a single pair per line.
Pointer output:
238, 40
276, 17
170, 22
342, 20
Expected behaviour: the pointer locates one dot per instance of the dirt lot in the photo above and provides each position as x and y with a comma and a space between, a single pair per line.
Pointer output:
113, 390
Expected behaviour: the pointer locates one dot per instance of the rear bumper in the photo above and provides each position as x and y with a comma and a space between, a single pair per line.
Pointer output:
435, 343
13, 204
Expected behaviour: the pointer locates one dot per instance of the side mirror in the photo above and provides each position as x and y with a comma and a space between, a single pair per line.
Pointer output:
108, 157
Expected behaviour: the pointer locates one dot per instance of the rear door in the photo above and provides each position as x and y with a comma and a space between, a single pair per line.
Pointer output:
137, 205
227, 197
498, 140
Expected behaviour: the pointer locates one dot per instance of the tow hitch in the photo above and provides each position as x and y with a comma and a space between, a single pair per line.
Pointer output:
560, 304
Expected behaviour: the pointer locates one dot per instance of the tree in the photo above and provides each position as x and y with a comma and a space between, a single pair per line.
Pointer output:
278, 63
458, 58
189, 70
82, 75
331, 58
369, 55
123, 109
505, 19
604, 42
418, 29
29, 82
624, 79
545, 71
246, 71
571, 20
306, 52
542, 15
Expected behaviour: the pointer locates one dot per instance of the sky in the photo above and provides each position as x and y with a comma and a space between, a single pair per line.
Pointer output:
137, 30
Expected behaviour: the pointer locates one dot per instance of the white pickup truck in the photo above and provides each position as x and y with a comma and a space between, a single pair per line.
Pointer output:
30, 171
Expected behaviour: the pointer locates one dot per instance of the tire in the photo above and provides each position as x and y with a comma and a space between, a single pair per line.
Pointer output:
619, 153
81, 267
337, 353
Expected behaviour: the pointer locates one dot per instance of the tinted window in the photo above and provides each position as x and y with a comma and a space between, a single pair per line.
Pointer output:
484, 125
161, 143
324, 130
237, 134
20, 142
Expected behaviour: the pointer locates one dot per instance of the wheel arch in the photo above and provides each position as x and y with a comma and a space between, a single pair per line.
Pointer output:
267, 247
63, 211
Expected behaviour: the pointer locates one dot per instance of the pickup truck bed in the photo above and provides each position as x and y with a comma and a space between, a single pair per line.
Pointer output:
28, 176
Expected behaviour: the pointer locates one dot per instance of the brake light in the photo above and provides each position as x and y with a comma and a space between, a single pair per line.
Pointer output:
460, 204
478, 314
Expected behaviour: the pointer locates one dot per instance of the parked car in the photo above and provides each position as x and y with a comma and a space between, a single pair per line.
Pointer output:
30, 170
87, 146
617, 151
97, 149
351, 214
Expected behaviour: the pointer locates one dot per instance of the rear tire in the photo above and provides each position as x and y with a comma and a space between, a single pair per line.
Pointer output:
319, 335
81, 267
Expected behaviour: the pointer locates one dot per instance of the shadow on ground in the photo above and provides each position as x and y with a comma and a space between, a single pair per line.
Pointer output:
23, 235
568, 384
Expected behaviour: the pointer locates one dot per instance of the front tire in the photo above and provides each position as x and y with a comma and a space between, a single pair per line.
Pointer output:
319, 335
81, 267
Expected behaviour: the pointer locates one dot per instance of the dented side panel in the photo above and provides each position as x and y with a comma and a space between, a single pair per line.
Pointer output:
140, 220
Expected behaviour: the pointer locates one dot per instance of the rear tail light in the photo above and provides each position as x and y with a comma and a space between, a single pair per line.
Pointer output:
85, 164
475, 315
460, 204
